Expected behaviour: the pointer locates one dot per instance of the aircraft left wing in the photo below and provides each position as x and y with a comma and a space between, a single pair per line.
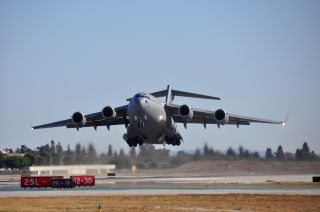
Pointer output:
108, 116
201, 116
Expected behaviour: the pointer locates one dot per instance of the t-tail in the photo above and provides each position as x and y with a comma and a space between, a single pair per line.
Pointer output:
170, 93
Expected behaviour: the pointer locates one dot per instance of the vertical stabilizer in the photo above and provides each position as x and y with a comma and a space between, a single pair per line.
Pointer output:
169, 96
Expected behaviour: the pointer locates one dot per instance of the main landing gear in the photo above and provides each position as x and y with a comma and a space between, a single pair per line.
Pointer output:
134, 141
174, 141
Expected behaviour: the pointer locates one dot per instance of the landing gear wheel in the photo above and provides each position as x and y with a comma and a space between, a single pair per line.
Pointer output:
129, 142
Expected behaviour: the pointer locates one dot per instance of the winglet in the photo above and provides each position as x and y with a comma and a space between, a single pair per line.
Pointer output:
285, 122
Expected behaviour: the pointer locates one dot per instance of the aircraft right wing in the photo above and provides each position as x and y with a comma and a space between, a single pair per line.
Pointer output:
201, 116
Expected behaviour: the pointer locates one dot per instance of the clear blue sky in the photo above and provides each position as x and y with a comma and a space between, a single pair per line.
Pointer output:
261, 57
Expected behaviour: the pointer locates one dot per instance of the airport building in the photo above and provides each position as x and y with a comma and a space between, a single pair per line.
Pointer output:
69, 170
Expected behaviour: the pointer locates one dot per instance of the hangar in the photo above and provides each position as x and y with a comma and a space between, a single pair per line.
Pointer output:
68, 170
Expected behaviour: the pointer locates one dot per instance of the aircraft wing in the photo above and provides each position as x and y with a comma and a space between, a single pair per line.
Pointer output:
92, 120
201, 116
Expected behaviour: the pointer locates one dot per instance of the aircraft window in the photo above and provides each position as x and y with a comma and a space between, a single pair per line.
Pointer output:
138, 95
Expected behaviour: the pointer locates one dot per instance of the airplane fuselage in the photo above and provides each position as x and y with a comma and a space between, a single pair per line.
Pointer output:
148, 119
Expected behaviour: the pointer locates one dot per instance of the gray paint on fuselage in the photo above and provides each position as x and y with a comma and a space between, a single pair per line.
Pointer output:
145, 108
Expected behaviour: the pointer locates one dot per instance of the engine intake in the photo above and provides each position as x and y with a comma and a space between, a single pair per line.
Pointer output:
185, 112
221, 116
108, 112
78, 119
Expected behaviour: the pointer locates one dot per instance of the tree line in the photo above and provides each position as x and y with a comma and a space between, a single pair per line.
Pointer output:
147, 156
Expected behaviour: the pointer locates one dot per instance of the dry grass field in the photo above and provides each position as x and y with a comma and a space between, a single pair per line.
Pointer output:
228, 202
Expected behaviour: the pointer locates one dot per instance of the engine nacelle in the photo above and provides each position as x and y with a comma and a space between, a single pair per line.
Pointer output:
221, 116
78, 119
185, 112
108, 112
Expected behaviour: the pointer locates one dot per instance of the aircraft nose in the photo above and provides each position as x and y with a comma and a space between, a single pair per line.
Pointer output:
140, 102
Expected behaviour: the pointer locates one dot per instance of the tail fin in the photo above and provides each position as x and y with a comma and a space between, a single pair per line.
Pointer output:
171, 93
169, 97
285, 122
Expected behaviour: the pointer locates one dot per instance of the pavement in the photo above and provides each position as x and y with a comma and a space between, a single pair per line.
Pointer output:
152, 185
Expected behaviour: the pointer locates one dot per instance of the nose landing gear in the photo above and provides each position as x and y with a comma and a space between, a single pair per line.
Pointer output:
140, 121
140, 124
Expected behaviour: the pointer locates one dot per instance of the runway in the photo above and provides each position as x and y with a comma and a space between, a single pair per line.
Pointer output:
148, 185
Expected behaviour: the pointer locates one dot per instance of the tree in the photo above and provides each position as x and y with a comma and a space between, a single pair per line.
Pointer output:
24, 162
92, 154
13, 162
58, 155
231, 152
269, 154
8, 150
181, 158
32, 156
68, 156
305, 148
132, 152
241, 152
45, 156
153, 165
53, 152
304, 153
2, 160
145, 152
110, 151
255, 155
83, 155
280, 153
197, 154
121, 153
78, 153
24, 149
246, 154
206, 150
289, 156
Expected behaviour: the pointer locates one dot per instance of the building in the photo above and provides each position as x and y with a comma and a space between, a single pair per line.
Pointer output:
7, 153
69, 170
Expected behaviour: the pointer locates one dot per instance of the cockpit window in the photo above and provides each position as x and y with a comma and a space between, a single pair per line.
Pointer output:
141, 95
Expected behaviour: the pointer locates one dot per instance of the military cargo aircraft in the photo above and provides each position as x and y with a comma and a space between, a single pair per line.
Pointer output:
148, 120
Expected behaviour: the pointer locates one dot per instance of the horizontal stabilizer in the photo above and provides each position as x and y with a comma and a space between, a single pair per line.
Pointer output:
184, 94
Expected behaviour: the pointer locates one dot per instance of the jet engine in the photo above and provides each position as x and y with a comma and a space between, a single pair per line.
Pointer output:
185, 112
108, 112
78, 119
221, 116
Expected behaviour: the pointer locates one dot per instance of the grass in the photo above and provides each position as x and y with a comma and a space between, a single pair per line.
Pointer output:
227, 202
